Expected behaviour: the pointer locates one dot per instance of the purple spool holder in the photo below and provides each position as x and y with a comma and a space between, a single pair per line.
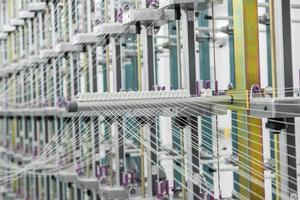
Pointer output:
256, 89
46, 103
207, 84
216, 88
60, 102
197, 88
162, 189
211, 196
79, 170
129, 178
119, 15
125, 179
152, 3
103, 171
35, 151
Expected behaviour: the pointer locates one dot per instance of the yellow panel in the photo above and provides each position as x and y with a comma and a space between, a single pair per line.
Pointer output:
246, 44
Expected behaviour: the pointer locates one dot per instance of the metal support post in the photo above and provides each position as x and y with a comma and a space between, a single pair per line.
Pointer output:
92, 88
116, 64
75, 152
148, 57
117, 86
281, 41
188, 27
148, 83
247, 73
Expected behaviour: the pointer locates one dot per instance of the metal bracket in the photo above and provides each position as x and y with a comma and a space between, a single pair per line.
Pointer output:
67, 177
17, 22
3, 36
240, 98
7, 28
49, 53
84, 38
107, 192
148, 16
189, 4
25, 14
88, 183
275, 107
65, 47
114, 29
36, 6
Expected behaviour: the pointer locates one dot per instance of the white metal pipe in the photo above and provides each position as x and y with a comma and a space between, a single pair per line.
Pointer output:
295, 21
143, 103
295, 6
265, 5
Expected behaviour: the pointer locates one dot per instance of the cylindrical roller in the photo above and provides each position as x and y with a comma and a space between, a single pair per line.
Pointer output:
119, 105
72, 106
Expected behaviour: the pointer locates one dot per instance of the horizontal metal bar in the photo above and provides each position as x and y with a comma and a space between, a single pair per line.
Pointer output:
148, 16
275, 107
187, 106
68, 177
108, 192
293, 6
114, 29
88, 183
190, 4
41, 112
296, 21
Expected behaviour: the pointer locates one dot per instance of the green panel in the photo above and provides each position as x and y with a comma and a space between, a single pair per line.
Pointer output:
176, 145
175, 85
130, 70
234, 138
231, 47
206, 122
131, 82
204, 50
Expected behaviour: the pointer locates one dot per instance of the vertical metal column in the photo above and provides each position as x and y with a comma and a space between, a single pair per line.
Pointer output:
281, 36
148, 83
92, 88
174, 79
117, 64
206, 121
93, 119
73, 89
189, 51
117, 86
246, 43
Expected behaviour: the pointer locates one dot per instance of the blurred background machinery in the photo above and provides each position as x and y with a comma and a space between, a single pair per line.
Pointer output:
149, 99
